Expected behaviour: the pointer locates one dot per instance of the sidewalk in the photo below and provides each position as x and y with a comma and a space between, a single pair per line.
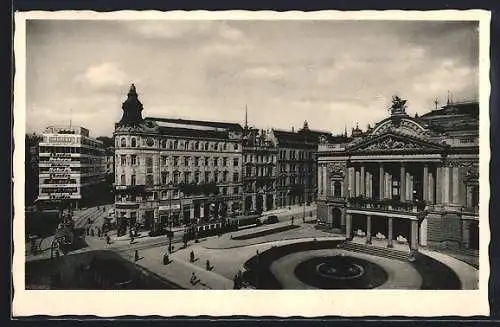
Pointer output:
468, 275
179, 270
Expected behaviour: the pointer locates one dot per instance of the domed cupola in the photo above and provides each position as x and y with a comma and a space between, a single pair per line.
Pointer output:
132, 109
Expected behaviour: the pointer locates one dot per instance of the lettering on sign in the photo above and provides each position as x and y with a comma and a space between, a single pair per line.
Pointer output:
62, 139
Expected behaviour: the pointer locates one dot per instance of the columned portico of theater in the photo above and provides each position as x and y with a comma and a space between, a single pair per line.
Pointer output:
407, 183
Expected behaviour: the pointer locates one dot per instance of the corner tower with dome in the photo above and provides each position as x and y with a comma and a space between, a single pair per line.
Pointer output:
171, 171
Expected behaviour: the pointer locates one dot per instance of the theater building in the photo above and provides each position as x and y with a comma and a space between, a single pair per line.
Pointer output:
296, 164
259, 171
175, 171
407, 179
71, 167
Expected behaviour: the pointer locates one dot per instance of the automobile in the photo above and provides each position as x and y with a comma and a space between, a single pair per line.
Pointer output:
271, 220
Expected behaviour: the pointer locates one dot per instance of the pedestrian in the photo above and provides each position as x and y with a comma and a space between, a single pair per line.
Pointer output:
91, 232
136, 256
108, 239
191, 256
194, 279
98, 232
132, 240
208, 265
236, 282
292, 220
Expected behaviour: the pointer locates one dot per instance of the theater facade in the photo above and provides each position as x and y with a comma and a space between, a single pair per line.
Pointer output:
409, 179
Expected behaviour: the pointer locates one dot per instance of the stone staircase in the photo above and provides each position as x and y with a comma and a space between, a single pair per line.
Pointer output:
375, 250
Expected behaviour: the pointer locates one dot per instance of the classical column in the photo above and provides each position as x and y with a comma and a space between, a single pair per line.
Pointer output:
430, 188
469, 197
390, 187
408, 185
414, 235
264, 202
402, 183
342, 192
425, 184
367, 185
438, 186
411, 188
191, 211
348, 226
455, 185
320, 180
389, 232
386, 185
423, 232
368, 229
357, 177
381, 182
362, 181
325, 180
445, 185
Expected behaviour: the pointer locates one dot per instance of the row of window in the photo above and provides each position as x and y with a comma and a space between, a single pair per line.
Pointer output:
183, 145
259, 158
170, 194
176, 160
259, 171
293, 180
293, 168
294, 155
186, 177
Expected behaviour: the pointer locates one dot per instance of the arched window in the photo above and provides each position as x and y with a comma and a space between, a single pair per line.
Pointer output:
197, 145
206, 146
337, 189
176, 144
186, 145
123, 142
134, 142
122, 180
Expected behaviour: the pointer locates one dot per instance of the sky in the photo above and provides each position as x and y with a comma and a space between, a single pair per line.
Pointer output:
334, 74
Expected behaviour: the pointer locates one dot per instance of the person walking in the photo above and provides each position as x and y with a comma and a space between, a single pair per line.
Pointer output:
194, 279
136, 256
108, 239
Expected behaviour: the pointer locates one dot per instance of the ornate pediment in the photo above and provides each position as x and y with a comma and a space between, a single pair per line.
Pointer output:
392, 142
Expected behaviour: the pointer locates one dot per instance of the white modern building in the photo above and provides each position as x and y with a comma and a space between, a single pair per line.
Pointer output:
71, 166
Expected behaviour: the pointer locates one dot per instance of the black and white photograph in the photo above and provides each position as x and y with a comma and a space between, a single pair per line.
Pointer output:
318, 159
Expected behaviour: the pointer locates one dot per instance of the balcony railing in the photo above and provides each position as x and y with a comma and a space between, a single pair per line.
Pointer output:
386, 205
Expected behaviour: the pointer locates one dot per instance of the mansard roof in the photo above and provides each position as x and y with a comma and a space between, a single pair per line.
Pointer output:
453, 117
194, 123
186, 132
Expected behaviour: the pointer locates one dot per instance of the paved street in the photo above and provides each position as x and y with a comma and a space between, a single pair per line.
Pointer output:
226, 255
